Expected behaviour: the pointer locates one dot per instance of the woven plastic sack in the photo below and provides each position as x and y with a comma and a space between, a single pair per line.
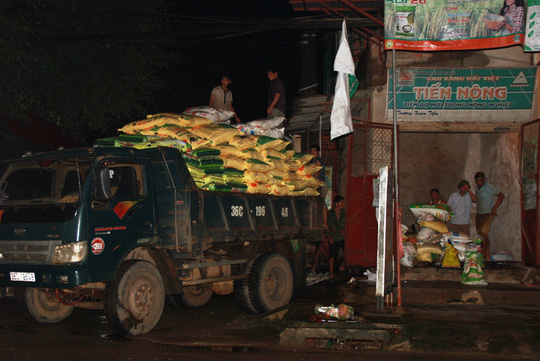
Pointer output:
183, 135
233, 162
243, 142
472, 271
308, 169
256, 165
304, 158
205, 152
279, 190
255, 177
287, 153
422, 211
228, 150
264, 142
210, 113
294, 165
214, 134
267, 123
277, 133
308, 191
278, 173
276, 181
252, 154
277, 164
424, 234
296, 184
152, 121
257, 188
429, 248
438, 226
451, 259
273, 154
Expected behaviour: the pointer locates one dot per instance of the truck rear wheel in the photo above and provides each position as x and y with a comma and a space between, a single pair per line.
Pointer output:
241, 292
135, 299
195, 296
271, 282
44, 307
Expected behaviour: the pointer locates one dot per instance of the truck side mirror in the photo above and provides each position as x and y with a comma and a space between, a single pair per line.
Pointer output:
102, 184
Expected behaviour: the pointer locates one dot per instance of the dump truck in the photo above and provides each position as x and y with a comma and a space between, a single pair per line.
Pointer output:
124, 231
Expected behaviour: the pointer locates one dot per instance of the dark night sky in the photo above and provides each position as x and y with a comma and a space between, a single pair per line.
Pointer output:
212, 50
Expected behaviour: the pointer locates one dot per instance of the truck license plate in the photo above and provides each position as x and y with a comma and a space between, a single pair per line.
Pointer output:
23, 276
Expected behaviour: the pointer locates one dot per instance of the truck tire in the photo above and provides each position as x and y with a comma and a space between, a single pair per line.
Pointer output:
135, 299
241, 292
43, 307
195, 296
271, 282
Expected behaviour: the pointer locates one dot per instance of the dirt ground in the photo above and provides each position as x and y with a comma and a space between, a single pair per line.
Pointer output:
220, 330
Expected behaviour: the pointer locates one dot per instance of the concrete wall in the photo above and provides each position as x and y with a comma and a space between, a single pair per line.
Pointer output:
442, 160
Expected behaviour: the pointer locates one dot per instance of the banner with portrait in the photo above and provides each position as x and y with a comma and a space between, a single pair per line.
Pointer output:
432, 25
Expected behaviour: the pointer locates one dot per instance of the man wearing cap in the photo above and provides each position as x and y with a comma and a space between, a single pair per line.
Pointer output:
486, 208
460, 203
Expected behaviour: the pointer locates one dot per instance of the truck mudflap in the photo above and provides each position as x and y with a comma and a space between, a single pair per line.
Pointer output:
45, 276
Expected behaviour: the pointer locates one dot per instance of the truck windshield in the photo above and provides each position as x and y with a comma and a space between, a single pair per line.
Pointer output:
46, 181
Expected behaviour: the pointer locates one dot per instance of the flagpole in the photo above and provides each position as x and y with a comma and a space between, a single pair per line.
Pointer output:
397, 210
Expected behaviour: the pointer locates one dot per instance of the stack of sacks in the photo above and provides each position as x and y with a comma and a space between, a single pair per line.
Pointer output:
222, 158
459, 240
271, 127
432, 220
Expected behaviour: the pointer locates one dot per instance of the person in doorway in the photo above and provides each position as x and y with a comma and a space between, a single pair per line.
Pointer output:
460, 203
276, 95
486, 209
221, 96
336, 231
436, 197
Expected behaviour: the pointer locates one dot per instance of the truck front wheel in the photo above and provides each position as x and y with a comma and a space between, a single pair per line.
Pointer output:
271, 282
135, 299
44, 307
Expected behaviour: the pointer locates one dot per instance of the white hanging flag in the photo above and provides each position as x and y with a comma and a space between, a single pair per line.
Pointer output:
346, 85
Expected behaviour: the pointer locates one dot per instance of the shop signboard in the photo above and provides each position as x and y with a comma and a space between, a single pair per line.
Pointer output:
432, 25
462, 94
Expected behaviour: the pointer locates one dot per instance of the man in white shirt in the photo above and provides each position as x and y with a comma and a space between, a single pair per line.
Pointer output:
460, 203
221, 96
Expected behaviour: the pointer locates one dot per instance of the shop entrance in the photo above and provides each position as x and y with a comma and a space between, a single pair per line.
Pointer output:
530, 135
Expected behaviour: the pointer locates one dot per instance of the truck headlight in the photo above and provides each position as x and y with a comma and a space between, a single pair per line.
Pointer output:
69, 253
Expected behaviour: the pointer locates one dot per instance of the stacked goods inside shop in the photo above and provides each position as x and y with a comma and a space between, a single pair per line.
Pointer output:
221, 157
434, 244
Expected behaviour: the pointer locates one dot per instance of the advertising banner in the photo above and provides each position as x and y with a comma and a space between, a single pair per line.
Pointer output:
430, 25
463, 94
532, 26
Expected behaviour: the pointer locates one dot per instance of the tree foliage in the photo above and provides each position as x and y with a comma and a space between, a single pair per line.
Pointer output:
87, 66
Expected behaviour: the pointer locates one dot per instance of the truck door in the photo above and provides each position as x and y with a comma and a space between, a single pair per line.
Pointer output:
126, 220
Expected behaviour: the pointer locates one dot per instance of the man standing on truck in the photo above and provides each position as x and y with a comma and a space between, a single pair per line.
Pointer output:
221, 96
276, 95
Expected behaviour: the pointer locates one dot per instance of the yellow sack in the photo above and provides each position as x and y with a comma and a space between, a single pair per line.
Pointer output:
243, 142
273, 153
193, 121
308, 169
277, 164
233, 162
214, 134
227, 150
288, 154
451, 258
278, 173
294, 165
438, 226
296, 184
264, 142
279, 190
252, 154
282, 145
256, 165
305, 192
182, 134
257, 188
255, 177
313, 181
292, 175
273, 181
429, 248
146, 124
304, 158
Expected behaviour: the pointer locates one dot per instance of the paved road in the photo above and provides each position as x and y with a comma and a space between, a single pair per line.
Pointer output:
218, 331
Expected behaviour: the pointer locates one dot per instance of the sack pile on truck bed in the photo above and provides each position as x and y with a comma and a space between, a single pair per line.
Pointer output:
221, 157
